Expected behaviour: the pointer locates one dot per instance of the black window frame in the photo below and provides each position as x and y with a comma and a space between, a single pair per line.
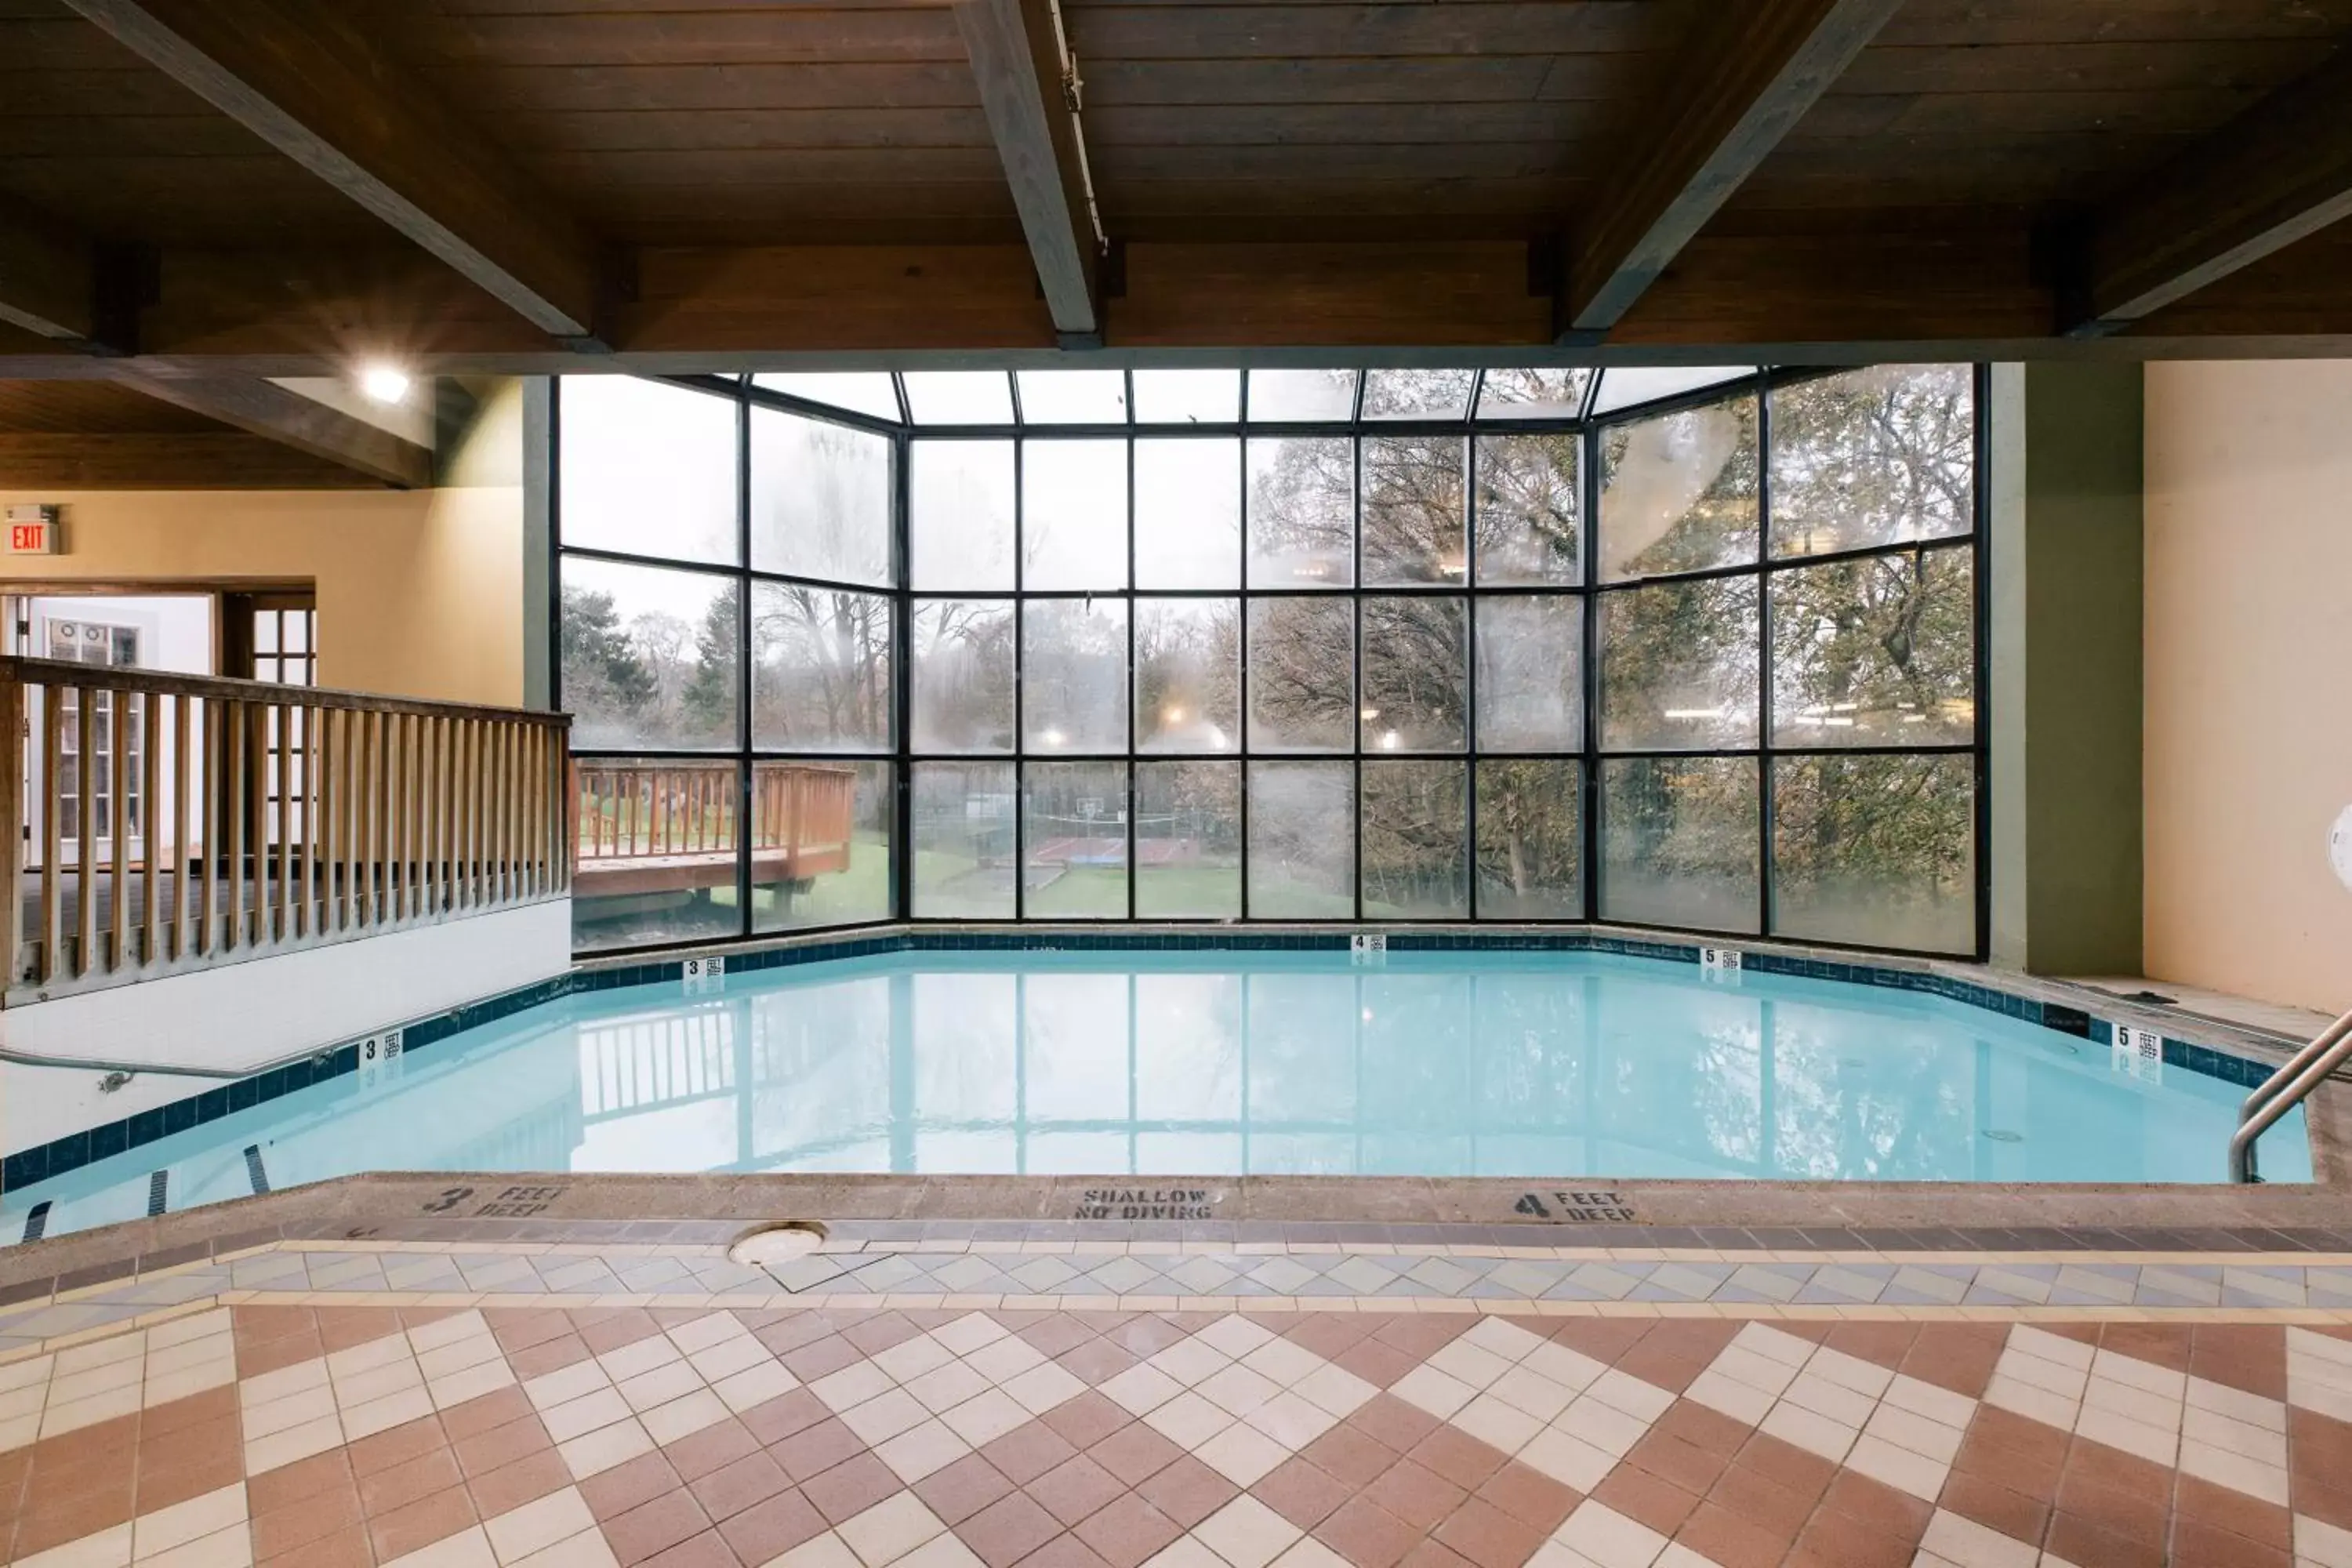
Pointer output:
1589, 593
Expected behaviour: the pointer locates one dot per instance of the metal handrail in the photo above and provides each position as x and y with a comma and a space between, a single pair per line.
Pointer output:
2284, 1091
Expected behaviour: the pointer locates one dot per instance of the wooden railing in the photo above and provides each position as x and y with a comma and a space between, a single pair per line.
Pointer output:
158, 823
664, 828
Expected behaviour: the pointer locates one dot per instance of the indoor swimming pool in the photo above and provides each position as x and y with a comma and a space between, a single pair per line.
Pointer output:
1221, 1063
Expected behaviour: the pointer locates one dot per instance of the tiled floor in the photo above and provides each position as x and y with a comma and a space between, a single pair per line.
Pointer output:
444, 1435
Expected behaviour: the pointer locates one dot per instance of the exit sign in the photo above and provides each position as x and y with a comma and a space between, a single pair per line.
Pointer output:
32, 530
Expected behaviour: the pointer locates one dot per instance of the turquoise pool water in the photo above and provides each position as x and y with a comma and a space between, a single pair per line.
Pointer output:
1222, 1063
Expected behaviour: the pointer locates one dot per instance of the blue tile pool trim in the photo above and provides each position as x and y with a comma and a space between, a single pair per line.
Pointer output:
71, 1153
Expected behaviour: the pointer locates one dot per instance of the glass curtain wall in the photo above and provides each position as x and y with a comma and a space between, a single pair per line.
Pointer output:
727, 633
1693, 649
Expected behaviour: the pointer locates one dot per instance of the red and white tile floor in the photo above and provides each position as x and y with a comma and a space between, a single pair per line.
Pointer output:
494, 1438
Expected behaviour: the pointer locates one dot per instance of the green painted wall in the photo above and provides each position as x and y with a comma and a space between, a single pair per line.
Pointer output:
2066, 677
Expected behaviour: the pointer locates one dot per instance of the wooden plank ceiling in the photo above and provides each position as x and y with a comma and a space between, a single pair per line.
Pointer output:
266, 188
98, 434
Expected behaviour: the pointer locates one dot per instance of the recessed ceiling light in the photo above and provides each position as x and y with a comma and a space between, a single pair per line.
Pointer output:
384, 384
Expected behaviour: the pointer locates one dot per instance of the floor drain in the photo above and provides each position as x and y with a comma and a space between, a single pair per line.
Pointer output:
777, 1242
2003, 1135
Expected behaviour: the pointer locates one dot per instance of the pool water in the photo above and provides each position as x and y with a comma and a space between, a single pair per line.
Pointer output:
1157, 1064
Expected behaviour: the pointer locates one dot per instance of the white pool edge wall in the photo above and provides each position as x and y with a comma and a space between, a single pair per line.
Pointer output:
240, 1017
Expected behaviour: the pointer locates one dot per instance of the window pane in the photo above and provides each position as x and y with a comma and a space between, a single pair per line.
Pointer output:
1416, 859
1624, 388
820, 500
1302, 840
1073, 397
963, 676
1678, 842
1073, 675
1873, 456
1531, 673
1413, 511
1417, 394
964, 840
820, 669
1678, 493
1301, 675
1302, 512
650, 655
959, 396
656, 852
1875, 850
1188, 840
820, 844
647, 468
1283, 395
1074, 514
961, 502
1188, 396
1074, 826
1678, 666
1415, 674
859, 391
1533, 394
1188, 513
1187, 675
1530, 841
1876, 652
1530, 510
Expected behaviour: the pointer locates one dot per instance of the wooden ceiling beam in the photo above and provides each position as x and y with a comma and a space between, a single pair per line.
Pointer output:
2278, 174
305, 80
1749, 75
47, 277
1824, 294
165, 459
1016, 61
261, 408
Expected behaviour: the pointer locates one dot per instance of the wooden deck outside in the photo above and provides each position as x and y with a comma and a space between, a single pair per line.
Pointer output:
671, 828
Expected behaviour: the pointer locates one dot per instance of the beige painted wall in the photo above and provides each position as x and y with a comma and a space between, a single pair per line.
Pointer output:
2248, 677
420, 592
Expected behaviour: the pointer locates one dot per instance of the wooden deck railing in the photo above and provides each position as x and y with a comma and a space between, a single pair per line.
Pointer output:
157, 822
669, 828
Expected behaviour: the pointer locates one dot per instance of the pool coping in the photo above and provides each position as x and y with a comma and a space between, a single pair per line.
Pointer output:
951, 1213
2085, 1012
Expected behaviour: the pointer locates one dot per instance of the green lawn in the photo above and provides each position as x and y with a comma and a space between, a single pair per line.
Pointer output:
1085, 892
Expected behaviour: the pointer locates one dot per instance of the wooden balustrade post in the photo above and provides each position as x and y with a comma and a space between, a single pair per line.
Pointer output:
151, 777
257, 809
52, 832
334, 911
396, 827
282, 716
236, 782
370, 819
118, 807
182, 712
471, 785
12, 826
314, 825
86, 827
211, 825
437, 872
